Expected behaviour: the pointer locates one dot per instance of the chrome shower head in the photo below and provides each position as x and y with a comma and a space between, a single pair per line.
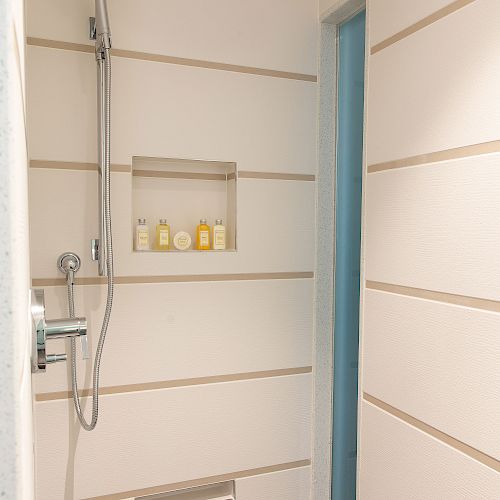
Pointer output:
101, 18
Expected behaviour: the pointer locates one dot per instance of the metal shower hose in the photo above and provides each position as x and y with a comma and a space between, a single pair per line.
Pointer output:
109, 263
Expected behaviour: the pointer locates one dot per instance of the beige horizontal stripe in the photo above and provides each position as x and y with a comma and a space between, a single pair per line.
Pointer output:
193, 483
448, 154
182, 61
423, 23
70, 165
449, 298
169, 384
435, 433
247, 174
179, 175
185, 278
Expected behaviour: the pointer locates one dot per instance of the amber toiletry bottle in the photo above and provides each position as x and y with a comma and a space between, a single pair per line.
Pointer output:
203, 236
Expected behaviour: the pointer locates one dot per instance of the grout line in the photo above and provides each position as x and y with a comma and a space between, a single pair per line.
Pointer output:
247, 174
169, 384
181, 278
448, 298
460, 446
437, 156
73, 165
419, 25
192, 483
244, 174
182, 61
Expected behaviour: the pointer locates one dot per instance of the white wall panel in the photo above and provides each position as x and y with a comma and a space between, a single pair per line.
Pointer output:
436, 227
437, 89
275, 228
164, 110
436, 362
388, 17
278, 35
324, 5
184, 330
398, 461
291, 484
165, 436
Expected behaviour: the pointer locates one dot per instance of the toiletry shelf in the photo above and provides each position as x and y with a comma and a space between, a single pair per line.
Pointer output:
191, 250
183, 191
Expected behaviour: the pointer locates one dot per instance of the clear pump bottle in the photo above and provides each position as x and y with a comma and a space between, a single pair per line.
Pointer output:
141, 235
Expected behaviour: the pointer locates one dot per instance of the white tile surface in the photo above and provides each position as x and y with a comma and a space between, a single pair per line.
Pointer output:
398, 461
436, 362
278, 35
388, 17
165, 436
291, 484
168, 111
186, 330
436, 227
275, 228
438, 88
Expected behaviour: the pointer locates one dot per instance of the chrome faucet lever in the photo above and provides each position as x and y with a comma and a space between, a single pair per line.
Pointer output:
43, 330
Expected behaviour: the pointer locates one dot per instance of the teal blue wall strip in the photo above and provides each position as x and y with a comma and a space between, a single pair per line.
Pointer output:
351, 66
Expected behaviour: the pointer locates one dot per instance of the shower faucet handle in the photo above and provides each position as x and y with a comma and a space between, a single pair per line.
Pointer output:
85, 346
44, 329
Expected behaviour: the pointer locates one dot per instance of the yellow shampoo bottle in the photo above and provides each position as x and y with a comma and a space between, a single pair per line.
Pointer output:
162, 235
203, 236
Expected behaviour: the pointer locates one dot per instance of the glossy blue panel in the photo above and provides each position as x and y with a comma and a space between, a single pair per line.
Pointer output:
351, 52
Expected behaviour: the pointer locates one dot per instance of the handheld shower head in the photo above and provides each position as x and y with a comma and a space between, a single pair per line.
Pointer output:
101, 18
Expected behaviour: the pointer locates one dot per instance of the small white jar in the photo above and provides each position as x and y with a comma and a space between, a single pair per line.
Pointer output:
182, 240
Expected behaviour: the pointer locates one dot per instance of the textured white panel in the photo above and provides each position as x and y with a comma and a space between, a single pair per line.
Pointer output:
388, 17
184, 330
278, 35
275, 228
436, 362
398, 461
436, 227
165, 436
16, 436
286, 485
169, 111
437, 89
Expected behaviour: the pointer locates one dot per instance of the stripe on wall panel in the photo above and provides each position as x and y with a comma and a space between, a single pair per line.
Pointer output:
159, 58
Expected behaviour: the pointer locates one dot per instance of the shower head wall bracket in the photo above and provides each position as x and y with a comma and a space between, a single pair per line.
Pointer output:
92, 29
69, 263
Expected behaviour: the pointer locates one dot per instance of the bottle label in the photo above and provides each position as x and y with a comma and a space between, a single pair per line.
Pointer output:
183, 241
204, 239
164, 238
220, 239
142, 238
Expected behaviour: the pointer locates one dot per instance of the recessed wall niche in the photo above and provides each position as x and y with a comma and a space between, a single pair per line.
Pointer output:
183, 191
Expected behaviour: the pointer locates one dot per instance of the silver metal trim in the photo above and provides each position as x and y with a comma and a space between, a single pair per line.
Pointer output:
43, 330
